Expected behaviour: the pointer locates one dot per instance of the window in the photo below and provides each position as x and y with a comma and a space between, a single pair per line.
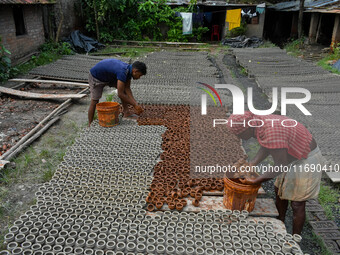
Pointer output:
18, 16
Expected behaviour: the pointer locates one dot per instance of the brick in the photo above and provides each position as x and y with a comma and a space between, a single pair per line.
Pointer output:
316, 216
328, 234
323, 225
314, 208
332, 245
312, 202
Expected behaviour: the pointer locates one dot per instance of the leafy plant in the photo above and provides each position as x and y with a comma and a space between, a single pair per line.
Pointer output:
137, 20
294, 46
6, 69
237, 31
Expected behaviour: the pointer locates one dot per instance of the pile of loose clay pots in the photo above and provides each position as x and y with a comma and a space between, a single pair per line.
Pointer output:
172, 181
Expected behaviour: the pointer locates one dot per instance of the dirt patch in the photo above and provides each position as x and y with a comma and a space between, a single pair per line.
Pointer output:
18, 116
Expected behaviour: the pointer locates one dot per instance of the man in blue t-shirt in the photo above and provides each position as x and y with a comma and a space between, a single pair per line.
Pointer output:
115, 73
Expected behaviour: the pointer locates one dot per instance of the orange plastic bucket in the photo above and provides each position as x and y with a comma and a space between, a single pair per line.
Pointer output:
239, 196
108, 113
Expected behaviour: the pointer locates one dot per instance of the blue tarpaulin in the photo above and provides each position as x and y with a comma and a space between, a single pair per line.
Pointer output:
337, 65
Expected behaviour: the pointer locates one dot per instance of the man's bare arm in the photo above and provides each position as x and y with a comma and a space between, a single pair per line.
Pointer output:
280, 157
121, 86
261, 154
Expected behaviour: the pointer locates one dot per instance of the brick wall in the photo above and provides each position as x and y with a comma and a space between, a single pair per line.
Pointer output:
22, 45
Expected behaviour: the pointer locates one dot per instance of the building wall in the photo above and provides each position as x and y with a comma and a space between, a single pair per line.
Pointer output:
21, 45
256, 29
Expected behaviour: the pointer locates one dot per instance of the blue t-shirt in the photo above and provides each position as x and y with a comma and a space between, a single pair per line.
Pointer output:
110, 70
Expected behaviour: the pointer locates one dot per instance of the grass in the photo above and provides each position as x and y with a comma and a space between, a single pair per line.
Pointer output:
324, 63
294, 46
324, 249
244, 71
109, 97
49, 52
329, 199
267, 44
35, 165
233, 74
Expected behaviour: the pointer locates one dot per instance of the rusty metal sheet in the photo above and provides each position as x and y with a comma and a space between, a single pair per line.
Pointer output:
263, 206
37, 95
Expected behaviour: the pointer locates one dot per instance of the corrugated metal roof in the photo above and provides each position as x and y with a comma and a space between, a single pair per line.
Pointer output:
206, 3
309, 5
27, 1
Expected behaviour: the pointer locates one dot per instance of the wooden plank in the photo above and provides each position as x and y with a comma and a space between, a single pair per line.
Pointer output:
166, 43
263, 206
220, 193
38, 95
83, 85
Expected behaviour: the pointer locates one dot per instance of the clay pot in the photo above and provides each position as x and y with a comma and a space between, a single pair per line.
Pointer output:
159, 205
179, 206
150, 207
168, 200
172, 205
219, 187
148, 199
184, 202
193, 193
185, 192
198, 196
195, 203
191, 182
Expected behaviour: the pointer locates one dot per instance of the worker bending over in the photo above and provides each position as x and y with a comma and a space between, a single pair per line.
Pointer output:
291, 146
115, 73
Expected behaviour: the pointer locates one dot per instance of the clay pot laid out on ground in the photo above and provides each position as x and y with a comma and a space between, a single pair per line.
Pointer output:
195, 203
159, 205
179, 206
172, 205
150, 207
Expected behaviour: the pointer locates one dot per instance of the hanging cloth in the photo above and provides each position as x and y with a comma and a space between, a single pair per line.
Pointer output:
187, 23
261, 8
208, 17
233, 18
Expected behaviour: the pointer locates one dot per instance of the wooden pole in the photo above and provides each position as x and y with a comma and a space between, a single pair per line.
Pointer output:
35, 129
300, 21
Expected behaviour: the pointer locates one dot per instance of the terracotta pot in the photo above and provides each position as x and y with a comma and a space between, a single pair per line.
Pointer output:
195, 203
198, 196
185, 193
168, 200
179, 206
150, 207
219, 187
159, 205
172, 205
148, 199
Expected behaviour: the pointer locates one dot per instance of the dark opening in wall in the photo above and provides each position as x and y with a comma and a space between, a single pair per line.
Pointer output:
19, 20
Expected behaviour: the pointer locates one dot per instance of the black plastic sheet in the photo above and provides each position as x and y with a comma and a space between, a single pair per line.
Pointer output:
243, 42
82, 43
